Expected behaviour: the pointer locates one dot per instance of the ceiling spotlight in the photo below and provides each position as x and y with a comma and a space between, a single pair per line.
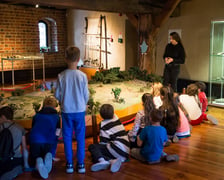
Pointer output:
37, 6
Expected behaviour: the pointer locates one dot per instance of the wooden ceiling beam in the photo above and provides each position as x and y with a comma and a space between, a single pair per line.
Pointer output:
166, 12
121, 6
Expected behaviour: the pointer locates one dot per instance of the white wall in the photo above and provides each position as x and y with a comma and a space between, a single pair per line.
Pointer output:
115, 25
195, 23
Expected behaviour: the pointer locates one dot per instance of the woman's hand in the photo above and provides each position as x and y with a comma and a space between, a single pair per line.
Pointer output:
168, 60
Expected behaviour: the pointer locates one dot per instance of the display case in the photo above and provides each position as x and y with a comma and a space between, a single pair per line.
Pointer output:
11, 57
216, 70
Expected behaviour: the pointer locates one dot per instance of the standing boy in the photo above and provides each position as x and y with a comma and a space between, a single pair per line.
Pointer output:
72, 94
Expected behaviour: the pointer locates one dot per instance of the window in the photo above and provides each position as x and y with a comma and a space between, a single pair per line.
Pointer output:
43, 36
48, 35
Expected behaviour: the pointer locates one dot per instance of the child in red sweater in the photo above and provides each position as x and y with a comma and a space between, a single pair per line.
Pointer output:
202, 96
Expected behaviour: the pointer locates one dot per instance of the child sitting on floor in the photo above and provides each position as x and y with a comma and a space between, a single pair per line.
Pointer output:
202, 96
152, 139
184, 128
192, 105
113, 148
12, 167
139, 123
171, 113
155, 91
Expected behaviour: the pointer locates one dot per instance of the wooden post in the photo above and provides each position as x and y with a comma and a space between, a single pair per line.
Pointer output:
94, 129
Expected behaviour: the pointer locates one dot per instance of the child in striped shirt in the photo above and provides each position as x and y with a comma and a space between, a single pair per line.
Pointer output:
113, 148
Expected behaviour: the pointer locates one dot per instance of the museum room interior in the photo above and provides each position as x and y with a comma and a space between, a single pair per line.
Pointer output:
117, 36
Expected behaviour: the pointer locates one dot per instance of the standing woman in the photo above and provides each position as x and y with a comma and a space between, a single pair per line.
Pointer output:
174, 55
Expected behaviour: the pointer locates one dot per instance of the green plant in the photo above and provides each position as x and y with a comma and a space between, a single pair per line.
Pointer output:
1, 98
117, 92
115, 75
13, 106
17, 92
121, 100
93, 106
36, 106
44, 49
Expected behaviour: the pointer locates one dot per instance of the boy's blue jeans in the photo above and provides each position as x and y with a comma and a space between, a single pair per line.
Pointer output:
74, 121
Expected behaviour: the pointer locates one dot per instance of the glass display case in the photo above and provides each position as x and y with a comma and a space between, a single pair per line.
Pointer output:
216, 66
10, 57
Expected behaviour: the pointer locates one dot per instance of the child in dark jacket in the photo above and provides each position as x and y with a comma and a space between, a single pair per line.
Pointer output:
43, 136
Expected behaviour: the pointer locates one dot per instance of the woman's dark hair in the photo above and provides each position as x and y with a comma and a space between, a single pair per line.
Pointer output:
148, 107
107, 111
177, 38
170, 108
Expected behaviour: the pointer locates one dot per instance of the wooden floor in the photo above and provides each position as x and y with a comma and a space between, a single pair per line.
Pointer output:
201, 157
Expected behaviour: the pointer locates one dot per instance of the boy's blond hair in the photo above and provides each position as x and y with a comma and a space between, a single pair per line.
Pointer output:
72, 54
50, 101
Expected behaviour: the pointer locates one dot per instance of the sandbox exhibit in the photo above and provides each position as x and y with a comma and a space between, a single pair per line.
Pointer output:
131, 92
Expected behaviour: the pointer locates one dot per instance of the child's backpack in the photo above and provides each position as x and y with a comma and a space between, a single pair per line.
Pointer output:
6, 144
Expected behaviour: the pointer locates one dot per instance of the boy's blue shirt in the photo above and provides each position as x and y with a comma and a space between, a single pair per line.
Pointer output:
72, 91
153, 138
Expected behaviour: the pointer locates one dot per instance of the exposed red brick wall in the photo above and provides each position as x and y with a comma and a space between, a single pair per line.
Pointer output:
19, 34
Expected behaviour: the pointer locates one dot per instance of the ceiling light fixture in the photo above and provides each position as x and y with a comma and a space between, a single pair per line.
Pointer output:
37, 6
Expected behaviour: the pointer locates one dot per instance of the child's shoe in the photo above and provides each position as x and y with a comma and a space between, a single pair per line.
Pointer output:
173, 157
48, 162
175, 139
12, 174
69, 168
115, 165
100, 166
81, 168
55, 159
167, 143
212, 119
41, 168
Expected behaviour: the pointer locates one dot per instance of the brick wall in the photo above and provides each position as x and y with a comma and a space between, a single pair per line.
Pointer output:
19, 34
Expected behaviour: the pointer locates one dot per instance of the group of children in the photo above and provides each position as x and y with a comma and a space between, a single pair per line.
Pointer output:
165, 118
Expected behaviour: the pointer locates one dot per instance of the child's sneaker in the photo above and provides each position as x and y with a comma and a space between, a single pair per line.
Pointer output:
175, 139
100, 166
173, 157
81, 168
69, 168
56, 159
212, 119
41, 168
12, 174
167, 143
48, 162
115, 165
